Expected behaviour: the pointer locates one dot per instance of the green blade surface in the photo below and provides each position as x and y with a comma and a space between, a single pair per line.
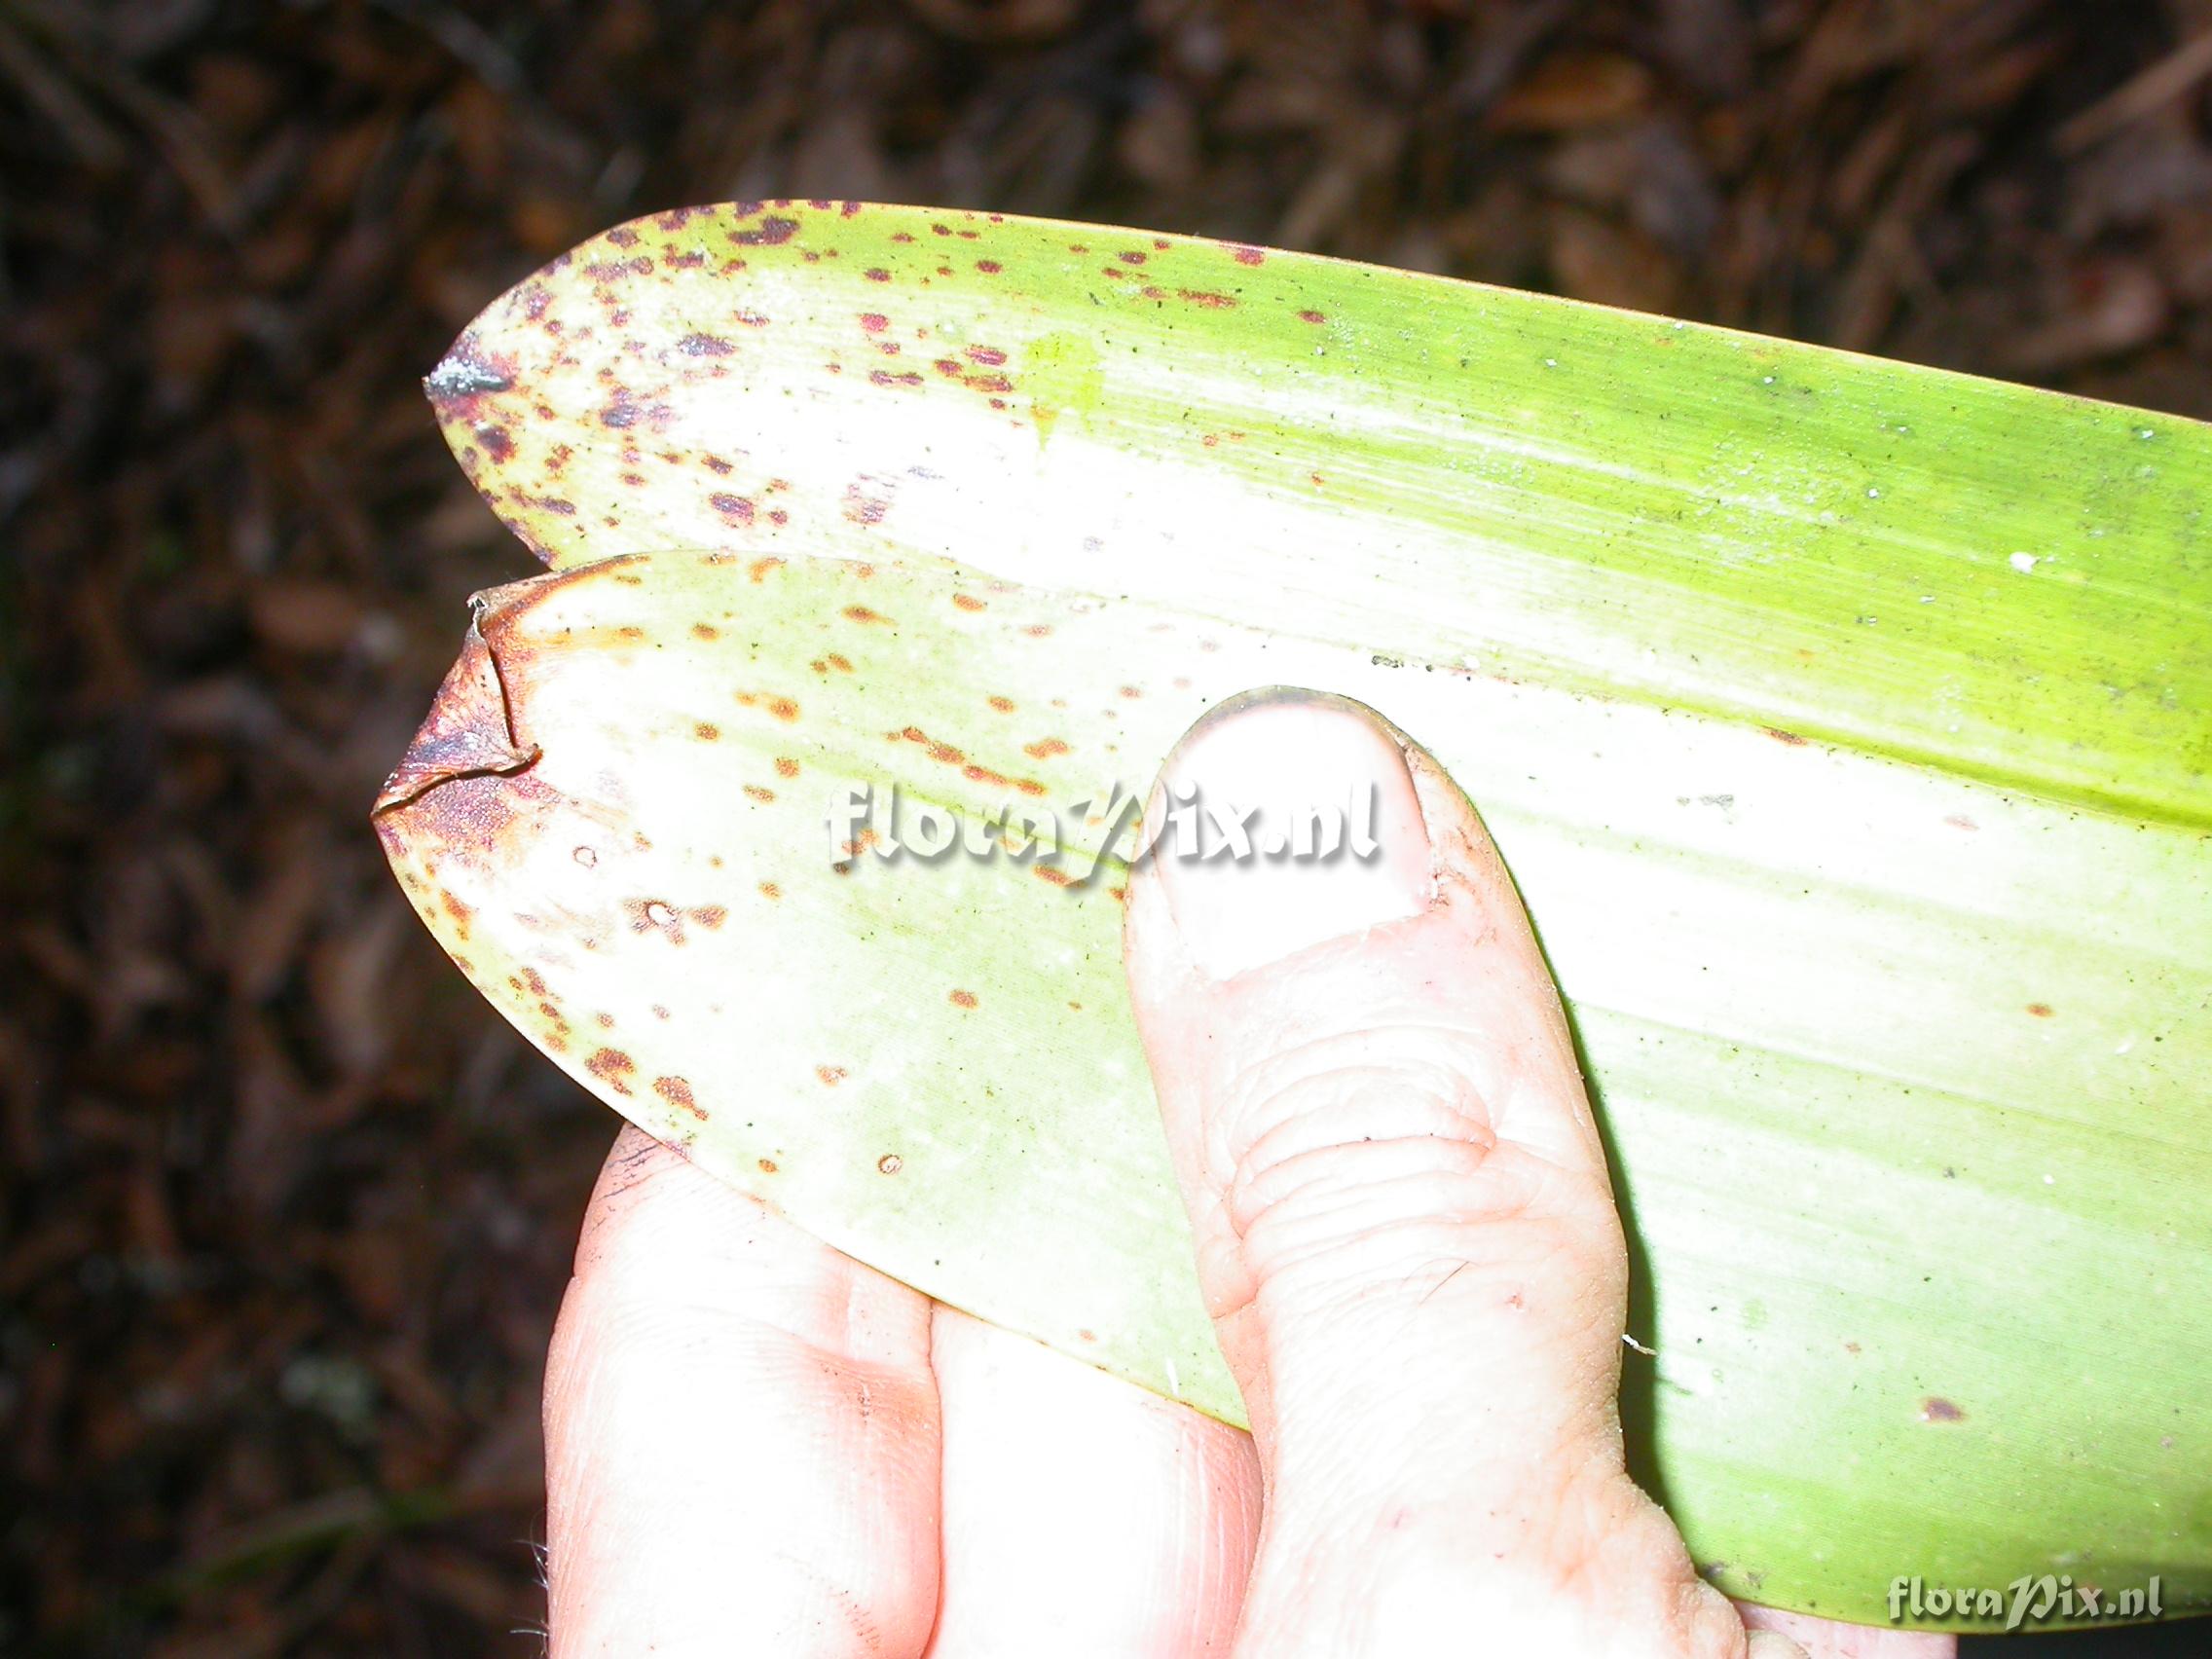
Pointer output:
1996, 580
1844, 724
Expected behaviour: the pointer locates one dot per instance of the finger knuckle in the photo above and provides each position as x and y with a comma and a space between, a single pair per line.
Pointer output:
1363, 1157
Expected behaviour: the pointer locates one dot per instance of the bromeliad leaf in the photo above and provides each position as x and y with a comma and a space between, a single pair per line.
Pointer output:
1996, 580
1844, 723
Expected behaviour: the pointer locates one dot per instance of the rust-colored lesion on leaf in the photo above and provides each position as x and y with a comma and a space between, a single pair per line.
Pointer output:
470, 729
613, 1068
676, 1091
466, 790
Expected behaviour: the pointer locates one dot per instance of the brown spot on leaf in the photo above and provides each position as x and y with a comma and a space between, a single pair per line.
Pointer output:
963, 999
1044, 748
2041, 1010
705, 631
1209, 300
760, 793
863, 507
1780, 736
707, 732
708, 916
1937, 1409
786, 767
877, 274
678, 1092
989, 266
891, 1163
459, 911
612, 1067
831, 1076
875, 322
1004, 705
759, 568
771, 231
968, 602
767, 1165
735, 509
861, 613
705, 345
1247, 255
769, 890
988, 355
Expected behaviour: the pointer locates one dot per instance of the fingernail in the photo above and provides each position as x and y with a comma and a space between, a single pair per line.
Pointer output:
1244, 812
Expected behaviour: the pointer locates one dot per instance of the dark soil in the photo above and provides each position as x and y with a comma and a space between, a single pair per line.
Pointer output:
284, 1210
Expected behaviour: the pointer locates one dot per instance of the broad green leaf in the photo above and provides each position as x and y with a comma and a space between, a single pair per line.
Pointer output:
1844, 723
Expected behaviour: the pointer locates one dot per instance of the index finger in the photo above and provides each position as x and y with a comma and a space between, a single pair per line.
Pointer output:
742, 1433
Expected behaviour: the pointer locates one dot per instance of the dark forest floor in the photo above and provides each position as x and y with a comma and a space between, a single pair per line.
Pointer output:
284, 1210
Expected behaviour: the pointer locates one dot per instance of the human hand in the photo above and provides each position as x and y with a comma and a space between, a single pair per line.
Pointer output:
1408, 1242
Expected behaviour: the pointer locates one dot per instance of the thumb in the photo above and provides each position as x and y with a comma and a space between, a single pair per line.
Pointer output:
1404, 1225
